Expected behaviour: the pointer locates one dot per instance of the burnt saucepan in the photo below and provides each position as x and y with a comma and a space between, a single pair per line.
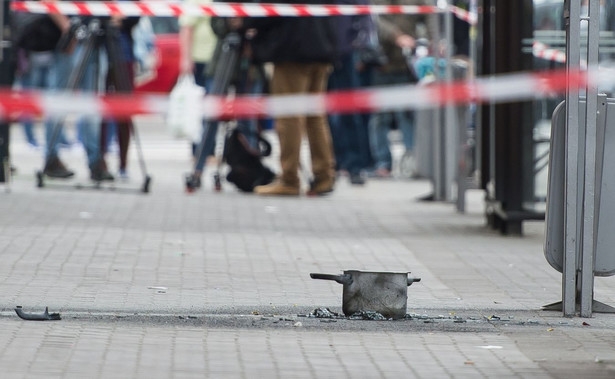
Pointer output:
382, 292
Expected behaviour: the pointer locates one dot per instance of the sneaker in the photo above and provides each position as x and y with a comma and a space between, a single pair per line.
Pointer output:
99, 172
277, 188
321, 187
357, 179
54, 168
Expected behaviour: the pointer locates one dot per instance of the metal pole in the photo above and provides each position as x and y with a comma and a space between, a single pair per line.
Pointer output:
451, 137
573, 29
439, 192
589, 199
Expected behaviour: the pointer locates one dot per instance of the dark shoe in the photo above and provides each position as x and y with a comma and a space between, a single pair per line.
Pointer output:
99, 173
357, 179
54, 168
193, 182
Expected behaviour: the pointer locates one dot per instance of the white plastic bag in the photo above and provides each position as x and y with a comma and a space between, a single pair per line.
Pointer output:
184, 116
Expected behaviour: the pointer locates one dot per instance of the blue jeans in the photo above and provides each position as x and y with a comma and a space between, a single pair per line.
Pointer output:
89, 126
380, 123
35, 78
349, 138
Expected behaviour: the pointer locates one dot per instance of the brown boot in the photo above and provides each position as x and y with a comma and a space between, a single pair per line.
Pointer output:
321, 187
277, 188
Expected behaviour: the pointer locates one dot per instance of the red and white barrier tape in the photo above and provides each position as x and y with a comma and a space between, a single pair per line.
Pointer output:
175, 9
540, 50
505, 88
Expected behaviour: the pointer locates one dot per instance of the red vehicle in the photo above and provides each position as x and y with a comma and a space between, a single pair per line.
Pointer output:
158, 67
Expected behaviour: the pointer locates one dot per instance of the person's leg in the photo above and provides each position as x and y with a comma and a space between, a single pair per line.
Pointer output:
379, 141
405, 120
124, 129
56, 79
365, 80
199, 73
319, 135
91, 124
336, 124
379, 126
26, 83
287, 78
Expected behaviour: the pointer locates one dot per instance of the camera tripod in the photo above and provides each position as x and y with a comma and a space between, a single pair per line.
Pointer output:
94, 37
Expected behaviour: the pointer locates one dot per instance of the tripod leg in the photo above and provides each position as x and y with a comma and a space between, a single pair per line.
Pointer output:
147, 178
225, 68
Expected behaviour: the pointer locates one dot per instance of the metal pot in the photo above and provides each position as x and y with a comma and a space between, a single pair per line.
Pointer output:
382, 292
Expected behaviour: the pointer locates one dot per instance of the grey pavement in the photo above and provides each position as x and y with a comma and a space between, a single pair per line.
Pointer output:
216, 285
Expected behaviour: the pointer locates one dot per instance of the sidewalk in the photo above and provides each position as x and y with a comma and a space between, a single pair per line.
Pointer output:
176, 285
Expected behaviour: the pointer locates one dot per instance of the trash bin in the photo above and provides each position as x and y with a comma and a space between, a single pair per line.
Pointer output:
554, 247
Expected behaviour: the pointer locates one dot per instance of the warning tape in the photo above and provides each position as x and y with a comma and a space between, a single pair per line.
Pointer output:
543, 51
504, 88
175, 9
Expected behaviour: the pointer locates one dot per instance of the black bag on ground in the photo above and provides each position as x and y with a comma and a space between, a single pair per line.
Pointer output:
247, 170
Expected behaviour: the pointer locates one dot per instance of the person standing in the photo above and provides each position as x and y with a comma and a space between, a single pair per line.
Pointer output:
349, 132
120, 79
64, 68
301, 50
197, 46
397, 33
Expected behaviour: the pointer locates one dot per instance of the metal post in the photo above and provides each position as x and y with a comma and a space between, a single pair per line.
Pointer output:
589, 199
572, 11
451, 137
6, 80
439, 192
474, 69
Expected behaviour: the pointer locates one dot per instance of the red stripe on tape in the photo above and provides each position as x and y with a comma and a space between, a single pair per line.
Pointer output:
239, 11
83, 8
123, 106
145, 9
20, 104
176, 9
453, 93
270, 10
349, 101
51, 7
333, 10
302, 10
207, 10
243, 107
19, 6
114, 9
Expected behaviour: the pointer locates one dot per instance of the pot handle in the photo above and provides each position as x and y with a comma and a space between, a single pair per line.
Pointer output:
341, 279
412, 279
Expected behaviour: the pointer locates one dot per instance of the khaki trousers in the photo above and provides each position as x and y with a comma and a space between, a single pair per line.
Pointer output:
294, 78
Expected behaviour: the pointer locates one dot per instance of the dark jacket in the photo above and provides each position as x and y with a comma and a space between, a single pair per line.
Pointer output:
390, 26
293, 39
351, 31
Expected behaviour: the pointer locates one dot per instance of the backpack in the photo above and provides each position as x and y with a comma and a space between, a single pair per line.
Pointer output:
247, 170
34, 32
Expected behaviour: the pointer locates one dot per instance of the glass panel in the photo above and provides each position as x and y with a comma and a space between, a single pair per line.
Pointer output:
550, 35
548, 48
